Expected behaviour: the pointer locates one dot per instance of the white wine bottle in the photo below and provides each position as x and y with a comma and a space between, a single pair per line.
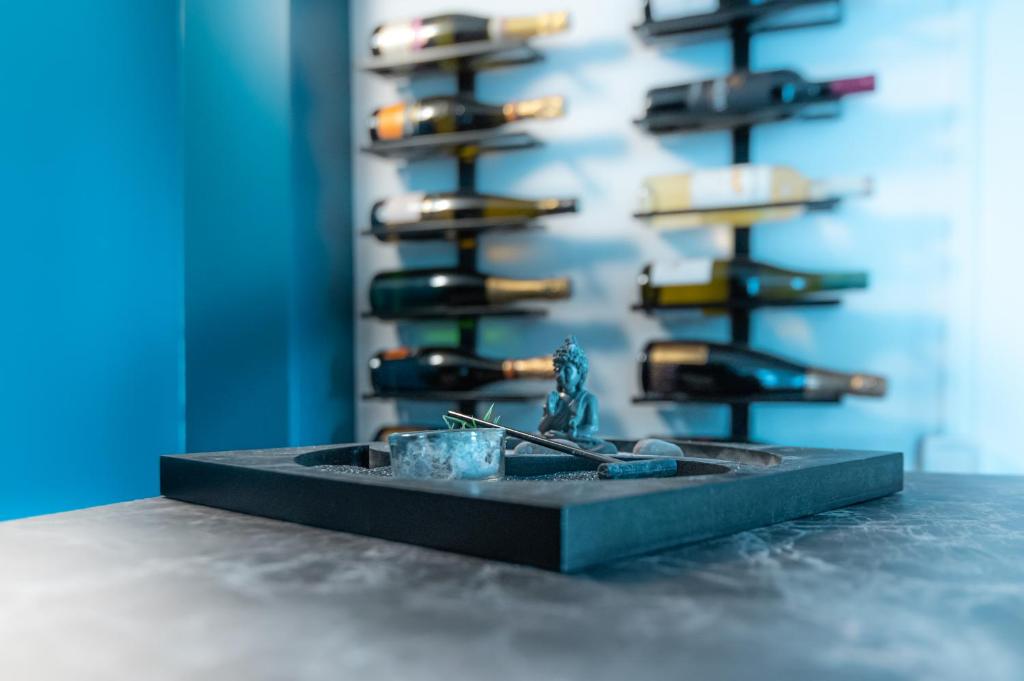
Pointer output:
741, 194
403, 37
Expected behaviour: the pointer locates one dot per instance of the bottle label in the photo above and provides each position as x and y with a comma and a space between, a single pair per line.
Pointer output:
402, 209
686, 272
405, 36
740, 185
678, 9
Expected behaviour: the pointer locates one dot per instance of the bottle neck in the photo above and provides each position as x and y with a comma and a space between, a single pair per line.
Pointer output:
824, 383
848, 86
543, 107
533, 367
501, 290
834, 281
527, 27
821, 190
552, 206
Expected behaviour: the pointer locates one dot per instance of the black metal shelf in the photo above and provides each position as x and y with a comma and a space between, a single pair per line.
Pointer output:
737, 304
472, 56
684, 398
675, 123
778, 16
470, 142
824, 204
466, 312
447, 229
455, 396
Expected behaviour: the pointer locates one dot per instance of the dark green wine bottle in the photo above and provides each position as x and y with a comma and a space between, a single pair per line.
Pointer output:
410, 291
713, 371
743, 98
699, 281
407, 370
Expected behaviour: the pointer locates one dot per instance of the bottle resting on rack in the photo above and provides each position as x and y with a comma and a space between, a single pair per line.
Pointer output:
743, 98
409, 370
406, 209
713, 371
740, 194
410, 291
403, 37
696, 281
455, 113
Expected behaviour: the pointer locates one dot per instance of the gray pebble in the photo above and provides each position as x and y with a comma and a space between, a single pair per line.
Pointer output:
654, 447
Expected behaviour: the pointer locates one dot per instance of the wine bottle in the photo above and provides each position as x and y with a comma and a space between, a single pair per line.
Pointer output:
446, 369
717, 371
402, 37
705, 281
416, 207
455, 114
402, 292
738, 195
743, 98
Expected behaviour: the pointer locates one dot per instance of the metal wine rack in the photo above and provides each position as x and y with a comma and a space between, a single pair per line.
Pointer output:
739, 26
463, 61
776, 16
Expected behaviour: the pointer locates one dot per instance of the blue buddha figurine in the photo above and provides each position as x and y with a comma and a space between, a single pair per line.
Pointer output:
570, 412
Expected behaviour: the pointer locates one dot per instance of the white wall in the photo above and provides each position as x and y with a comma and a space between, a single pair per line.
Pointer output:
917, 136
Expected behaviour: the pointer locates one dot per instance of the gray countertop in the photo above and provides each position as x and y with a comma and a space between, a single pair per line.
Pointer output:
926, 584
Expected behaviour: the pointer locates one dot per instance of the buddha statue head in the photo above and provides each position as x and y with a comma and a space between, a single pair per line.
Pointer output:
571, 366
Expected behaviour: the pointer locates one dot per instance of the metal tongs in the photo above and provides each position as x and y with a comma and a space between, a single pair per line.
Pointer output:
610, 468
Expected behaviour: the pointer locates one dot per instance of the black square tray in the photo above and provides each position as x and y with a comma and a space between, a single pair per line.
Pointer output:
558, 525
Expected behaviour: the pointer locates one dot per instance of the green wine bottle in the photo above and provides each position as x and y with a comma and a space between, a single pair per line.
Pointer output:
407, 370
406, 291
713, 282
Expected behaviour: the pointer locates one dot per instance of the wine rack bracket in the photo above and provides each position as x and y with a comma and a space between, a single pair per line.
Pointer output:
824, 204
735, 304
680, 398
471, 56
471, 143
447, 229
556, 525
465, 312
456, 396
783, 16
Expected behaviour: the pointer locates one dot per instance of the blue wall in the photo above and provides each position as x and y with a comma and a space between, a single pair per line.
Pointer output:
90, 251
267, 229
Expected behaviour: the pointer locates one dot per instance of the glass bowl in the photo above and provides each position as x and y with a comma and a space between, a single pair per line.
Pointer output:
462, 454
